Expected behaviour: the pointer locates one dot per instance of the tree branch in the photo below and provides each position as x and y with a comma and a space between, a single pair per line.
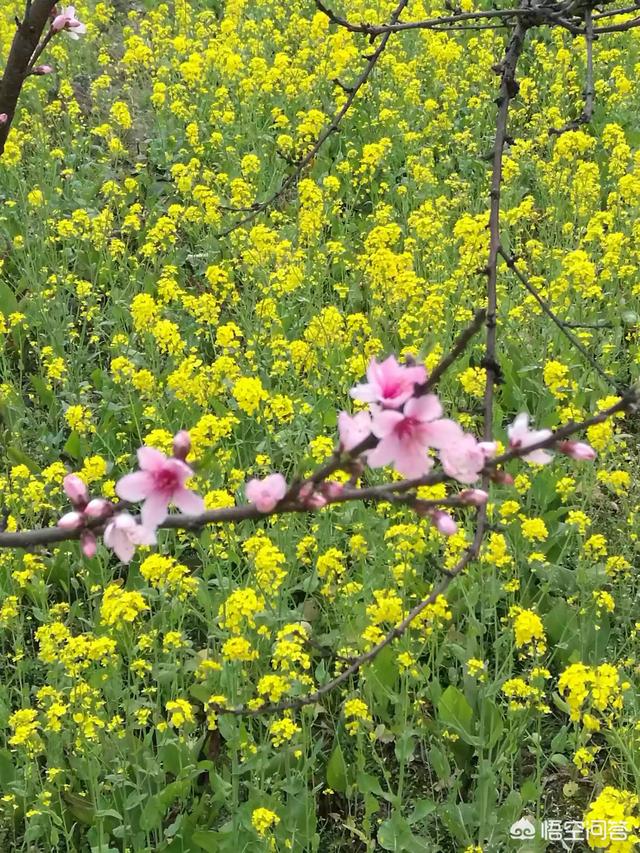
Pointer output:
328, 131
508, 90
244, 512
575, 342
25, 44
589, 86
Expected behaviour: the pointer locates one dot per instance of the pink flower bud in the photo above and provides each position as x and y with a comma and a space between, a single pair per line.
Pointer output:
315, 501
71, 521
181, 444
332, 490
443, 522
577, 450
99, 508
59, 23
502, 478
88, 543
474, 497
42, 69
266, 493
4, 118
76, 490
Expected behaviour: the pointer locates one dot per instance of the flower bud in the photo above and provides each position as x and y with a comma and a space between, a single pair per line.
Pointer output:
443, 522
4, 118
577, 450
502, 478
315, 501
76, 490
474, 497
71, 521
332, 490
181, 444
99, 508
88, 543
42, 69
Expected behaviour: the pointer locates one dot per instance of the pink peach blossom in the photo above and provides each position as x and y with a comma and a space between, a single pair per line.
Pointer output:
4, 118
123, 533
464, 458
332, 490
159, 483
40, 70
353, 429
266, 493
68, 22
521, 436
390, 384
406, 436
578, 450
311, 497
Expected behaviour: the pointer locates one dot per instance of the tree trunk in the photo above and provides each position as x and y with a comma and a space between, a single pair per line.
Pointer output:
25, 42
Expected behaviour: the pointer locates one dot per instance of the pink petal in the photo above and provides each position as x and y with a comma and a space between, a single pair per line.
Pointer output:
188, 502
154, 511
384, 453
134, 487
441, 433
412, 461
151, 459
384, 422
71, 521
144, 536
366, 393
123, 548
425, 408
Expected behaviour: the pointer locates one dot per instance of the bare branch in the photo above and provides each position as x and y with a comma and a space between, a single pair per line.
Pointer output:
459, 346
508, 90
575, 342
328, 131
589, 87
396, 632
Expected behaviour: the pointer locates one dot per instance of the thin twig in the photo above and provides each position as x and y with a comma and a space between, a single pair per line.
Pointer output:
589, 86
396, 632
508, 90
540, 12
459, 346
546, 308
328, 131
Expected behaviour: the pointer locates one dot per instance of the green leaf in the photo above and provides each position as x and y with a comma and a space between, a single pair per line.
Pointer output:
73, 446
421, 810
493, 724
7, 769
20, 458
206, 840
8, 301
456, 714
440, 763
368, 784
337, 770
80, 808
151, 816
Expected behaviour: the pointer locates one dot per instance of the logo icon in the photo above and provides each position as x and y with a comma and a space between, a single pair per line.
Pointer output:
523, 829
